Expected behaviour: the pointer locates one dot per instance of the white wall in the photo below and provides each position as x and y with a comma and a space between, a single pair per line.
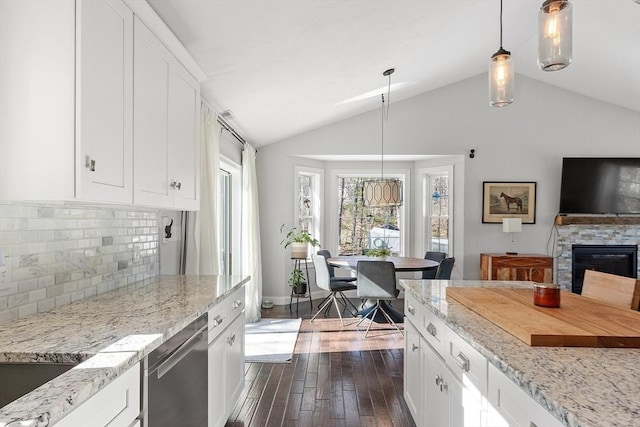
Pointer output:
522, 142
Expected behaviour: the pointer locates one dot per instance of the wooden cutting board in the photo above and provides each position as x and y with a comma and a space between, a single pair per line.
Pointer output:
578, 322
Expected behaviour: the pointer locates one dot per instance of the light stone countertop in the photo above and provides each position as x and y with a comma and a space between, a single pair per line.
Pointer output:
108, 333
582, 387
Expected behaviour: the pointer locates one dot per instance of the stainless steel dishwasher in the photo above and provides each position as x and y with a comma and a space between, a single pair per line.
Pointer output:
175, 380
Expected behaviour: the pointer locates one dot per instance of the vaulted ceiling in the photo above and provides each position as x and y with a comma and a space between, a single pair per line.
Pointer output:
286, 67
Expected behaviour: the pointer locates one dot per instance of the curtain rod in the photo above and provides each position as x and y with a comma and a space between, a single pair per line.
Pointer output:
231, 130
226, 126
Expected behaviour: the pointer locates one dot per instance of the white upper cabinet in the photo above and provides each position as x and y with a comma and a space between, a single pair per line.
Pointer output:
37, 63
166, 111
85, 116
184, 115
104, 99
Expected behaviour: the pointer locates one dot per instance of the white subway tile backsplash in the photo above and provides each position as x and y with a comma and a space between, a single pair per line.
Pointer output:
61, 254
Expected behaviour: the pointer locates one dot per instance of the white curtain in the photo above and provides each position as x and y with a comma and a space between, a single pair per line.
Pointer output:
251, 259
202, 227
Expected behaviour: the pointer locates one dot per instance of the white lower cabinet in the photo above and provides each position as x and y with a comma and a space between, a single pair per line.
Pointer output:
436, 382
412, 382
116, 405
447, 383
447, 400
226, 357
510, 406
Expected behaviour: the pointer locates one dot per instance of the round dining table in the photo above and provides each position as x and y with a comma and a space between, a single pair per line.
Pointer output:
400, 263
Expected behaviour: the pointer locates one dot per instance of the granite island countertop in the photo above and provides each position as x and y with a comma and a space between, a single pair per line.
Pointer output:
582, 387
107, 334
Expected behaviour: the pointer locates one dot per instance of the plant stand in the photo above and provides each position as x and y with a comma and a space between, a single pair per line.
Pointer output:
297, 264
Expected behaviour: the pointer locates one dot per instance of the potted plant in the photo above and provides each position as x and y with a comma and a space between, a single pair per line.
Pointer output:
379, 253
297, 282
299, 240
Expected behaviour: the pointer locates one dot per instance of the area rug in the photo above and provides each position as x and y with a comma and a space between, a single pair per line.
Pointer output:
271, 340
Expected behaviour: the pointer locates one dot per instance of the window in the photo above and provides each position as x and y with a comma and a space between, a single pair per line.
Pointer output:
361, 228
436, 185
229, 201
308, 203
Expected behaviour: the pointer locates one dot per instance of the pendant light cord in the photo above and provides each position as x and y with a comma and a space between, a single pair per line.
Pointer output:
501, 24
385, 117
382, 142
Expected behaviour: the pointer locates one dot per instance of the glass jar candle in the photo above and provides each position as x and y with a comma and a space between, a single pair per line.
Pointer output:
546, 295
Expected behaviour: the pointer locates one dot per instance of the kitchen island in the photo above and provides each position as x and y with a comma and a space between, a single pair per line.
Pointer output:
580, 387
106, 335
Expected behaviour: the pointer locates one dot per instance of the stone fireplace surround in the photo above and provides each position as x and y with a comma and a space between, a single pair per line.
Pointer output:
610, 233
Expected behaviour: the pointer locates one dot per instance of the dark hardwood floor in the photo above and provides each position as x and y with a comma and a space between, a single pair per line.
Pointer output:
337, 377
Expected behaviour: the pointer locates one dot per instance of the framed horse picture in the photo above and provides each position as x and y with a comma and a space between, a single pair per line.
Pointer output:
508, 199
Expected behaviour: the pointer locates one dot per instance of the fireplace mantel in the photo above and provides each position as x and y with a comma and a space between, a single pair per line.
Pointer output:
597, 219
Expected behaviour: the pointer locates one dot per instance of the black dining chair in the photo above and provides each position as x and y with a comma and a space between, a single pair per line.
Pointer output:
336, 288
332, 270
433, 256
445, 268
377, 281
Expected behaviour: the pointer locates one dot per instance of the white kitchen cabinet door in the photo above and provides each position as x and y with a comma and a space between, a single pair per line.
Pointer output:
184, 159
37, 79
436, 388
412, 376
235, 362
104, 101
151, 181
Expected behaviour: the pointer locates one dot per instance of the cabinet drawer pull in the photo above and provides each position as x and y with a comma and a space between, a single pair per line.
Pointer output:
414, 347
217, 320
462, 361
411, 309
432, 329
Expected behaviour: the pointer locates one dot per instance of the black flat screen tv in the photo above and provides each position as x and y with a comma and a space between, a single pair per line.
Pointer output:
596, 185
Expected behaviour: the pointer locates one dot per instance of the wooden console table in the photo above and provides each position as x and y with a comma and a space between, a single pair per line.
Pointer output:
535, 267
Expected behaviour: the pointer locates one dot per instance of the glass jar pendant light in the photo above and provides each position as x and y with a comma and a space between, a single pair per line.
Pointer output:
501, 75
554, 35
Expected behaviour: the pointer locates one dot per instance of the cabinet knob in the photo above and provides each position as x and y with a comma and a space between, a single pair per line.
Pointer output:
440, 383
237, 303
90, 164
414, 347
411, 309
176, 185
231, 339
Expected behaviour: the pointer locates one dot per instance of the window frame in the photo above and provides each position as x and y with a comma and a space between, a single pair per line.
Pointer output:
425, 178
317, 189
333, 239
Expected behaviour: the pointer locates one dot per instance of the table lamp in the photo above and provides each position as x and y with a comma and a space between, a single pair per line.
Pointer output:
511, 225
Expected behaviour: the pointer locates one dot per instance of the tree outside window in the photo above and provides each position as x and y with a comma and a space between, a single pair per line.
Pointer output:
361, 228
